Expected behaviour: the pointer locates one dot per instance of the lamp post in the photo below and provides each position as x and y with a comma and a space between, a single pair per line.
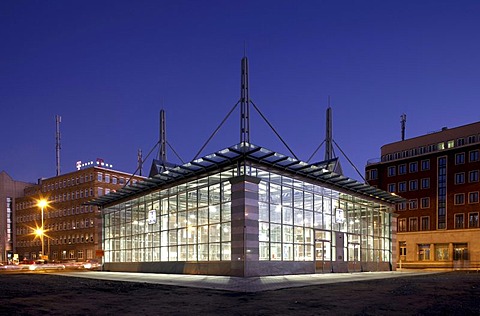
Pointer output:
42, 204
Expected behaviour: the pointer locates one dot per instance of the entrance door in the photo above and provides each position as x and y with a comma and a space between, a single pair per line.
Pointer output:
323, 251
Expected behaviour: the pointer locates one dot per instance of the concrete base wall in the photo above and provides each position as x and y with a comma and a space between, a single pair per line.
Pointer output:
227, 268
252, 269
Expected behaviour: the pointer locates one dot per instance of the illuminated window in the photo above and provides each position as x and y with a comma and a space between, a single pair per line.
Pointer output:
402, 227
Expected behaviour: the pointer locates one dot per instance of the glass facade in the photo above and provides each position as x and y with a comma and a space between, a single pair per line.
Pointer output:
297, 221
187, 222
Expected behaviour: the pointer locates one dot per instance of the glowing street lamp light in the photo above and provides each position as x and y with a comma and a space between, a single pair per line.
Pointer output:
41, 231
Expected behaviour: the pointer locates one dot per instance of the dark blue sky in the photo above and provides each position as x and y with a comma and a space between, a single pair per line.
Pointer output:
108, 67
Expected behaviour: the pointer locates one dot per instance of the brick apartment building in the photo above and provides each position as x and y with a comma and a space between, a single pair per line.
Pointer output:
73, 230
438, 174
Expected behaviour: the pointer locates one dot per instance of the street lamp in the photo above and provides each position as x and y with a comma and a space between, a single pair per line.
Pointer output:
41, 231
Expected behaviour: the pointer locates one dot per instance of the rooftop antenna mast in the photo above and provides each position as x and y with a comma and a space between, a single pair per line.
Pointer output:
162, 151
403, 120
244, 102
328, 135
58, 119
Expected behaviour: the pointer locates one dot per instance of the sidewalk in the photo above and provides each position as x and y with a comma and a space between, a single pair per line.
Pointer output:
236, 284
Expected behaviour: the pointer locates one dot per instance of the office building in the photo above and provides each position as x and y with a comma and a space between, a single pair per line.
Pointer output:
9, 191
438, 174
72, 229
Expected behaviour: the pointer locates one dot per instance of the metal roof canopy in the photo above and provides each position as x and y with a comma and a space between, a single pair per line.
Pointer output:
247, 152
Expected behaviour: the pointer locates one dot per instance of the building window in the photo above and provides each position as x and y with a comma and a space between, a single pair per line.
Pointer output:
473, 197
413, 184
391, 171
450, 144
459, 198
425, 164
401, 206
99, 191
460, 252
425, 202
403, 249
473, 156
425, 183
424, 252
473, 176
99, 177
391, 187
402, 186
402, 169
472, 139
473, 220
413, 204
458, 221
441, 252
402, 227
425, 223
460, 178
107, 178
373, 174
460, 158
413, 167
441, 192
114, 180
413, 224
460, 141
441, 146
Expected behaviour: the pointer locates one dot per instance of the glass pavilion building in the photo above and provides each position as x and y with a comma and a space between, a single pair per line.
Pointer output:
248, 211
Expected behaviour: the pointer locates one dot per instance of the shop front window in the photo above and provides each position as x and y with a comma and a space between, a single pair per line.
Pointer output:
423, 252
460, 252
441, 252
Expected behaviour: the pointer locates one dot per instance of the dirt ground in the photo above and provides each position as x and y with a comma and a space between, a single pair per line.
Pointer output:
451, 293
